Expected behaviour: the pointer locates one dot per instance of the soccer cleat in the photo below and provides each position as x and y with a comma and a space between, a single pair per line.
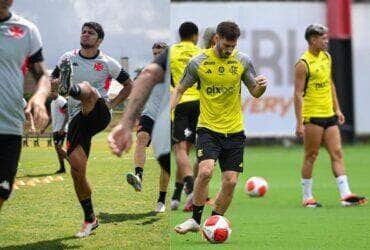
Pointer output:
353, 200
134, 181
87, 228
190, 225
60, 171
311, 203
175, 204
65, 77
161, 208
188, 207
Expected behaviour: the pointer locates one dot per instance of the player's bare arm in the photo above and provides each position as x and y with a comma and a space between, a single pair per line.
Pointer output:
123, 94
338, 112
299, 83
120, 139
256, 84
37, 101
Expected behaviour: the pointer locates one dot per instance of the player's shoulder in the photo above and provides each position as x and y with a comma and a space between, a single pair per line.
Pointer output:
19, 20
199, 58
243, 58
69, 54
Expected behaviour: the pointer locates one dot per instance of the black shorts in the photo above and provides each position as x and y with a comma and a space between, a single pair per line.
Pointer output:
83, 127
146, 124
58, 139
324, 122
10, 151
228, 149
185, 122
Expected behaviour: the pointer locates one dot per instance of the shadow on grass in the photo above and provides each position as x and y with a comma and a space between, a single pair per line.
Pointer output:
46, 244
106, 218
38, 175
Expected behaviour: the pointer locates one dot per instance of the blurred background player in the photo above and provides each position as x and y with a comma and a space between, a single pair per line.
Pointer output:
29, 118
59, 120
120, 139
208, 41
220, 129
318, 114
85, 75
21, 47
143, 137
186, 113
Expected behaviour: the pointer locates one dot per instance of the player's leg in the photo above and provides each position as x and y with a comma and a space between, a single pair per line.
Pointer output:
225, 196
164, 179
78, 162
143, 138
85, 93
312, 138
333, 145
208, 150
58, 143
11, 146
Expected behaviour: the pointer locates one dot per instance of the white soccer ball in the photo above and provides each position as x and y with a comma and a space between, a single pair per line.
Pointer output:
256, 186
216, 229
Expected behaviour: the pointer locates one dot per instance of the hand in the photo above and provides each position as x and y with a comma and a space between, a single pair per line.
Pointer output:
261, 81
39, 112
341, 117
120, 139
32, 131
299, 131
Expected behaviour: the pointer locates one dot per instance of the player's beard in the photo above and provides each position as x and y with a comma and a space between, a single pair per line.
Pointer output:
221, 53
87, 46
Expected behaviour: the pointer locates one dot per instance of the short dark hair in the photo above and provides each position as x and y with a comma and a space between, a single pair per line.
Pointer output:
228, 30
95, 26
187, 30
315, 30
159, 45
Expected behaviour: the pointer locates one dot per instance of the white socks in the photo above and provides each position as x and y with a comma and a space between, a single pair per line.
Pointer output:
307, 189
343, 186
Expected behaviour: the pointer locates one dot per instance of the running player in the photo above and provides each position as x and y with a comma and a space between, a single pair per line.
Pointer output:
120, 139
59, 120
85, 75
144, 133
186, 113
220, 130
318, 114
20, 47
145, 128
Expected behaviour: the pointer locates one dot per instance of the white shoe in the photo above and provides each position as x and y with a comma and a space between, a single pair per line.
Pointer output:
161, 208
175, 204
190, 225
87, 228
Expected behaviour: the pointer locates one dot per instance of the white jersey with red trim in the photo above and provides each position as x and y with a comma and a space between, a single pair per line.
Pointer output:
58, 115
19, 40
97, 71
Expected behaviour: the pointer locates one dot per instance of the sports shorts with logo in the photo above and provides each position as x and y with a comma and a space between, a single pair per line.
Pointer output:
228, 149
10, 151
185, 122
83, 127
146, 124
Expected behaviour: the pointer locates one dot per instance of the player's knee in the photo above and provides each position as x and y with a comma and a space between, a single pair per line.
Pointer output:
337, 154
204, 175
311, 155
142, 139
230, 182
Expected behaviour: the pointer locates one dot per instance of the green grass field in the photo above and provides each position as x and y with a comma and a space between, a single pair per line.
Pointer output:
277, 221
47, 216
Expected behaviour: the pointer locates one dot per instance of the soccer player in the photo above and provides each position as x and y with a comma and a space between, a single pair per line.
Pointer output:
186, 113
209, 38
144, 133
59, 120
120, 139
85, 75
220, 131
318, 114
20, 44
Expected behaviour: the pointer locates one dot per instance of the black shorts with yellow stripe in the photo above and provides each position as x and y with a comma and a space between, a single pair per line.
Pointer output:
227, 148
323, 122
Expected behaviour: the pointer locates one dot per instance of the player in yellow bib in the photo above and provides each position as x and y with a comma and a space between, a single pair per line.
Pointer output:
220, 131
186, 113
318, 114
